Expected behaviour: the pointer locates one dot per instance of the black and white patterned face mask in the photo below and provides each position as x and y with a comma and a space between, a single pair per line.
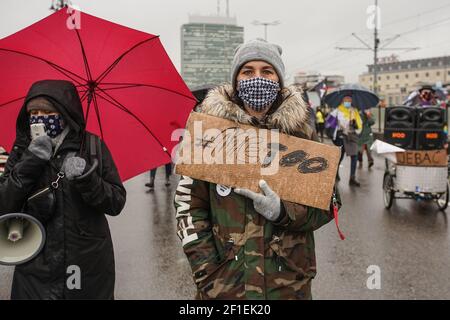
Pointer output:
258, 93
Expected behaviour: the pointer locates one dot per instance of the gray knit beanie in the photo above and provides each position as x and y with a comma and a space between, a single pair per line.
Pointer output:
260, 50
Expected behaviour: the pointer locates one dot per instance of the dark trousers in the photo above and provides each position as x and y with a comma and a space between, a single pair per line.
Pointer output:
320, 127
361, 153
338, 142
353, 164
168, 171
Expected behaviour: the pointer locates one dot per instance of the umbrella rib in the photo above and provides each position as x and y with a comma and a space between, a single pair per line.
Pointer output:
71, 78
109, 69
115, 104
123, 86
97, 112
87, 111
132, 85
120, 106
12, 101
53, 65
83, 97
83, 52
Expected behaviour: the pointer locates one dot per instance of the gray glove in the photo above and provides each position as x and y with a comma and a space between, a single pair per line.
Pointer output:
74, 167
42, 147
267, 204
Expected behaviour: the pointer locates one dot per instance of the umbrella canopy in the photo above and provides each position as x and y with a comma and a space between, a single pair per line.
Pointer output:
132, 95
362, 97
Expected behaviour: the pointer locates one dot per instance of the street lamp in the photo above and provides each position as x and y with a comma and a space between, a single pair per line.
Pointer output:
266, 24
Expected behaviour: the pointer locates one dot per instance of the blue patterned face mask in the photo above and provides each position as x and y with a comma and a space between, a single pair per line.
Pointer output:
258, 93
54, 124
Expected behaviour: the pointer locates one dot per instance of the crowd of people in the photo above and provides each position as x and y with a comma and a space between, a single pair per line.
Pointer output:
348, 128
225, 232
351, 128
239, 244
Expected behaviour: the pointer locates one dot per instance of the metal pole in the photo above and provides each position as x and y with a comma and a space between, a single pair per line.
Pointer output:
266, 25
375, 62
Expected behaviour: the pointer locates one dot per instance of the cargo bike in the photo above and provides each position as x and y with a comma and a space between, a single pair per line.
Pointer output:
421, 172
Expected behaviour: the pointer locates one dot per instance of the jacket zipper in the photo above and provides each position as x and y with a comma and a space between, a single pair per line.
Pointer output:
38, 193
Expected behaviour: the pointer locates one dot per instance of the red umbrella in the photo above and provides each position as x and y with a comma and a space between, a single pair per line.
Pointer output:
132, 95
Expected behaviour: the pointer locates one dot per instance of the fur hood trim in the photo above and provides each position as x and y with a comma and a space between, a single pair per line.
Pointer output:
291, 117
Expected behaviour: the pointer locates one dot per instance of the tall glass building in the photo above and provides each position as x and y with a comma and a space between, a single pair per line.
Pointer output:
207, 49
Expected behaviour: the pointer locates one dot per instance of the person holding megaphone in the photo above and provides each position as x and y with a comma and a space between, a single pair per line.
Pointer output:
59, 183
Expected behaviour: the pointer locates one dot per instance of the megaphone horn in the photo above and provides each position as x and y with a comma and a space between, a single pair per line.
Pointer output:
22, 237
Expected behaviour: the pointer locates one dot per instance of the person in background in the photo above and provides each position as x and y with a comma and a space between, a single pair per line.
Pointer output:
333, 132
424, 97
427, 97
366, 138
349, 127
151, 184
320, 123
303, 89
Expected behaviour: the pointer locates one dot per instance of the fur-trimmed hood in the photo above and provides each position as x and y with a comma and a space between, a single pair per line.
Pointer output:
291, 117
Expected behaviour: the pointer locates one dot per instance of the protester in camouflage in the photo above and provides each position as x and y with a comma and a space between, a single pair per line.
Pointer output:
236, 247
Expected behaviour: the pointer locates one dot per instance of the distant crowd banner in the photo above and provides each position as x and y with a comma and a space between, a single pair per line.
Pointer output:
236, 155
423, 158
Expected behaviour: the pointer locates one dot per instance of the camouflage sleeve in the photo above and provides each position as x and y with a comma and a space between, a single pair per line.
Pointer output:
301, 218
194, 226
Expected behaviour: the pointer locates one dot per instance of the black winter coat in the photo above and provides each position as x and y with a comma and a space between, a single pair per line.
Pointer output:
73, 215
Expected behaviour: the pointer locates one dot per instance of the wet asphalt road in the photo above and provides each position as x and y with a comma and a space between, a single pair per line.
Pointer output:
410, 244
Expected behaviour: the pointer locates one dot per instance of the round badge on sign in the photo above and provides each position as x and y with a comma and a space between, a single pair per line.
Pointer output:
222, 190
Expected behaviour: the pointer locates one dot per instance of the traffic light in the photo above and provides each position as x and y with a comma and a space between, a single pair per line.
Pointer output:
430, 128
399, 127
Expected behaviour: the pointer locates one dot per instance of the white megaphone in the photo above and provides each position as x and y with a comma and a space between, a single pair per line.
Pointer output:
22, 237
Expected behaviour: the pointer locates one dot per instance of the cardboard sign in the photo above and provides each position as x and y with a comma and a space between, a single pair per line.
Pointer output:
236, 155
425, 158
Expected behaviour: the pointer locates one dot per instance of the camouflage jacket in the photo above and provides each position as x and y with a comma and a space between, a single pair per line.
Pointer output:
234, 252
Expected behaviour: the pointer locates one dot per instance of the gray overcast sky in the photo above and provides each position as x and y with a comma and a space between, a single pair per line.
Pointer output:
309, 30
